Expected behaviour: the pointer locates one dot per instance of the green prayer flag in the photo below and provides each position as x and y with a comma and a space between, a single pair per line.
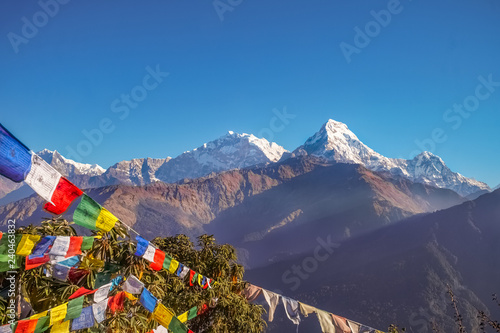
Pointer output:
75, 307
176, 326
42, 324
166, 262
111, 268
192, 313
9, 261
87, 212
87, 243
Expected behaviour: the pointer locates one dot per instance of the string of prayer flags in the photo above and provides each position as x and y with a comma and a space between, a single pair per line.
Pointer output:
85, 320
148, 301
42, 178
15, 157
64, 195
91, 215
26, 244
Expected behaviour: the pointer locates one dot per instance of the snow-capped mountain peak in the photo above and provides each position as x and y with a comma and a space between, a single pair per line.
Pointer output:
335, 142
68, 166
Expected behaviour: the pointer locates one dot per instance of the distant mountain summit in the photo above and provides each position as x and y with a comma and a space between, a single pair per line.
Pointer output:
231, 151
335, 142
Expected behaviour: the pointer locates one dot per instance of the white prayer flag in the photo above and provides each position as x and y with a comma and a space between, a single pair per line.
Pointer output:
60, 246
102, 293
149, 255
99, 309
42, 178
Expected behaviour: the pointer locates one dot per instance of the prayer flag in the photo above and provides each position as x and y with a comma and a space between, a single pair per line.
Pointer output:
26, 244
43, 246
85, 320
35, 262
142, 246
176, 326
87, 243
102, 293
115, 303
75, 246
148, 300
60, 246
157, 263
43, 323
81, 292
61, 327
163, 315
26, 326
99, 310
75, 307
42, 178
58, 313
15, 158
87, 212
132, 285
63, 196
149, 255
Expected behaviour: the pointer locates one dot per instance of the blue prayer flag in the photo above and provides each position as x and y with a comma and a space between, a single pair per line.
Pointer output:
148, 300
70, 262
42, 247
85, 320
60, 272
142, 245
15, 158
115, 282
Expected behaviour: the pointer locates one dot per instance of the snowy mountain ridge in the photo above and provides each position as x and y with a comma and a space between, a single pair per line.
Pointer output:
335, 142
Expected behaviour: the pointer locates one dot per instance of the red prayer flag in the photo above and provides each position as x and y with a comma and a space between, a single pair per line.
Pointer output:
1, 234
75, 246
82, 291
115, 303
191, 276
35, 262
26, 326
64, 194
76, 275
159, 257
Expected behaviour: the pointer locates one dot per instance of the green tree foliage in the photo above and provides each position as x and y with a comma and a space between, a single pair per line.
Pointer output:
225, 310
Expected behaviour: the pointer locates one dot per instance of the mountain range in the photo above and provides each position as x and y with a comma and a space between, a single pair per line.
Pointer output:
334, 142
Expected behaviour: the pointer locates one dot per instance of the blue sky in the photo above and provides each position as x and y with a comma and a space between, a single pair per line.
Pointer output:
69, 75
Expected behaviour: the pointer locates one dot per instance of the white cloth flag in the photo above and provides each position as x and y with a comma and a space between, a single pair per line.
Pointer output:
184, 272
272, 299
149, 255
102, 293
42, 178
132, 285
60, 246
291, 309
99, 310
160, 329
5, 329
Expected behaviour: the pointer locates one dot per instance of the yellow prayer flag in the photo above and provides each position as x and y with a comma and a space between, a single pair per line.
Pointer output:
163, 315
39, 315
26, 244
174, 264
61, 327
183, 317
130, 296
200, 280
106, 221
58, 313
